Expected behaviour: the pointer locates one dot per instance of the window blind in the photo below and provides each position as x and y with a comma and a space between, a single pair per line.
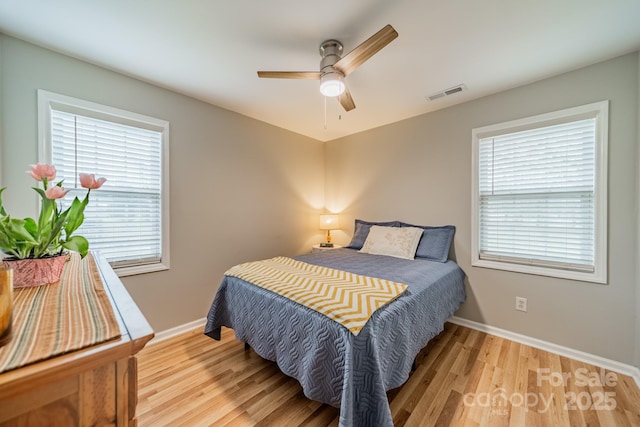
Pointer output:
124, 217
536, 196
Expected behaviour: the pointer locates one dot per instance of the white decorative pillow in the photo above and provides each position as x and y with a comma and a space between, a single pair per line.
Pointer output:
399, 242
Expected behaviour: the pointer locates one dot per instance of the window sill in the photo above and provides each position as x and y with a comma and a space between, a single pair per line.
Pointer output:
595, 277
140, 269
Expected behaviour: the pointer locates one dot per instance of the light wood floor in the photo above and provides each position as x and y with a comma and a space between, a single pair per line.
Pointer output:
463, 378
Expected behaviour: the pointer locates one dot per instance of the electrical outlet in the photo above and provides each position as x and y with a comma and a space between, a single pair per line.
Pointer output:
521, 304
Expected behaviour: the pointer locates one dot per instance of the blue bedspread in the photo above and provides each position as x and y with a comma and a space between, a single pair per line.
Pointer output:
332, 365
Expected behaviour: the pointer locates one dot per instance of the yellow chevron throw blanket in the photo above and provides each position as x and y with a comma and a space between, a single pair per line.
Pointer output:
347, 298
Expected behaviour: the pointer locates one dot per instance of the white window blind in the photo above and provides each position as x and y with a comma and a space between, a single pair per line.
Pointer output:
537, 195
123, 219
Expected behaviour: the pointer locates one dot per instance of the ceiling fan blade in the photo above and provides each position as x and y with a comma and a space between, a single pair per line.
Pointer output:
365, 50
346, 100
313, 75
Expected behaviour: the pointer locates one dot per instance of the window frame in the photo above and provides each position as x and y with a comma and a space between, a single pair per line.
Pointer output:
597, 110
48, 101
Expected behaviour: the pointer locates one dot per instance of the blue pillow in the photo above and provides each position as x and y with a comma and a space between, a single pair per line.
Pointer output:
435, 242
361, 231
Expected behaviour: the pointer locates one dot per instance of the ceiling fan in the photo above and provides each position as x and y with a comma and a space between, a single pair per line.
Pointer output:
334, 68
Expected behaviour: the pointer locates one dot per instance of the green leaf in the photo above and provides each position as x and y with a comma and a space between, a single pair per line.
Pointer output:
78, 244
2, 211
75, 216
16, 238
18, 231
6, 242
31, 226
47, 211
52, 235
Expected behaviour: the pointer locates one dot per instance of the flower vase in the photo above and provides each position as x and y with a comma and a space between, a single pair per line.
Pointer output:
6, 303
32, 272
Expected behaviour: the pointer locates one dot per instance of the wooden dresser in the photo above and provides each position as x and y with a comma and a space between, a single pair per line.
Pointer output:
95, 386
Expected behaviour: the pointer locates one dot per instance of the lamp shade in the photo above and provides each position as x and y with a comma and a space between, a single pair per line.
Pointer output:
329, 222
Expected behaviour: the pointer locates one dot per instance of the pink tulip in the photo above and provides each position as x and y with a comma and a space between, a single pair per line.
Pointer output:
55, 192
41, 171
89, 181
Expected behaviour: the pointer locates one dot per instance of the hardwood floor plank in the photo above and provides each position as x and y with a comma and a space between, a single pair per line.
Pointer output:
576, 418
463, 378
324, 415
461, 416
430, 403
558, 394
445, 418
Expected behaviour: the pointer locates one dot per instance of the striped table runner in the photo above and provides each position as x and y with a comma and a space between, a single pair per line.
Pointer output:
51, 320
347, 298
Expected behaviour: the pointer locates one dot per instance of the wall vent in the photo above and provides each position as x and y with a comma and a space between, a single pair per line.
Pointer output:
447, 92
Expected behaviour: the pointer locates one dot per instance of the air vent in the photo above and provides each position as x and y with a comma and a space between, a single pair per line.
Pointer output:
447, 92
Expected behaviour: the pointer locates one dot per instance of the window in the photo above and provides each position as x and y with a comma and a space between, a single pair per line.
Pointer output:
539, 196
127, 219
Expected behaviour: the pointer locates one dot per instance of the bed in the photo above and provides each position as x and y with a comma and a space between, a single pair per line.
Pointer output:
334, 366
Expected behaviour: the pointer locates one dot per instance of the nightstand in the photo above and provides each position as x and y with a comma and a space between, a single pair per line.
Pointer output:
318, 248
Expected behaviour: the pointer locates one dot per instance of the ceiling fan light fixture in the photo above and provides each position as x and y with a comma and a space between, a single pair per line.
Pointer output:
332, 84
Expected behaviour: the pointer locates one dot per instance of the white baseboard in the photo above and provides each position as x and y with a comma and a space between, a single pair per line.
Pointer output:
180, 329
592, 359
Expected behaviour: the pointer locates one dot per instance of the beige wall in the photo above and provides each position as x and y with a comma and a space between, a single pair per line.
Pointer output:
240, 189
418, 170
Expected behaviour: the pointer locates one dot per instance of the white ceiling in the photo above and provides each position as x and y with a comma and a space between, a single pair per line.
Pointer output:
211, 50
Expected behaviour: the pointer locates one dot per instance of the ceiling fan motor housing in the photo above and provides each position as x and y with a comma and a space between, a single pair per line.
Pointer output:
330, 51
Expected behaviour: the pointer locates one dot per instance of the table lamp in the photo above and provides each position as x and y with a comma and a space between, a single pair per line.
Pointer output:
328, 222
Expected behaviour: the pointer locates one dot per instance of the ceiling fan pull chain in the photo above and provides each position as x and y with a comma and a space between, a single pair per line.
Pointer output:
325, 112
